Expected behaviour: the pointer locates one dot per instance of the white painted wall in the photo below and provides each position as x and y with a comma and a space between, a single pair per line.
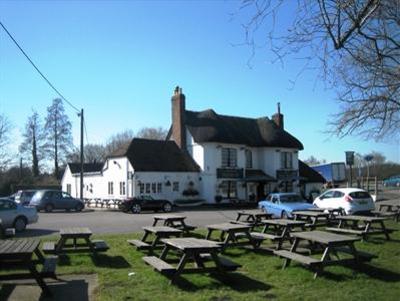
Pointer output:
183, 178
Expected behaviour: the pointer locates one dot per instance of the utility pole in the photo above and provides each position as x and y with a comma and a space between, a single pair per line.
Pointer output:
81, 179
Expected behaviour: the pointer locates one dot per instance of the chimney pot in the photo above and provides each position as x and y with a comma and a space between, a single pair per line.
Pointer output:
278, 117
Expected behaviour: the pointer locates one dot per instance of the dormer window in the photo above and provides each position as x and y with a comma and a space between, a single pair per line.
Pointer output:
229, 157
249, 158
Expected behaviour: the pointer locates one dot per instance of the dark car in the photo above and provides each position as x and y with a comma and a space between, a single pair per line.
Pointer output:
145, 202
49, 200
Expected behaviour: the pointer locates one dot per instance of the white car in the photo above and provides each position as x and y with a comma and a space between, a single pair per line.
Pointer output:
352, 200
14, 215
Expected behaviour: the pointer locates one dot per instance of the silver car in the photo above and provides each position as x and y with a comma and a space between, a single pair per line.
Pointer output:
13, 215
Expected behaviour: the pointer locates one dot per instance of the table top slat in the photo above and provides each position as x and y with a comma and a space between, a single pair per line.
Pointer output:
18, 246
360, 218
228, 227
169, 217
283, 222
324, 237
191, 243
75, 231
162, 229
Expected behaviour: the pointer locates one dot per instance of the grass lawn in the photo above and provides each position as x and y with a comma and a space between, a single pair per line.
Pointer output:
260, 278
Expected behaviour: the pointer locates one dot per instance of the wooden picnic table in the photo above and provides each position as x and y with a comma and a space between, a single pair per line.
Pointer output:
350, 224
158, 233
279, 230
332, 243
199, 251
314, 218
332, 211
390, 208
231, 233
174, 221
253, 218
75, 234
19, 253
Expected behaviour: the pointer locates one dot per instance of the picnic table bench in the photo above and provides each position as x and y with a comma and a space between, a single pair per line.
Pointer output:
174, 221
313, 218
158, 233
332, 243
278, 230
19, 254
195, 250
231, 233
75, 234
349, 224
252, 218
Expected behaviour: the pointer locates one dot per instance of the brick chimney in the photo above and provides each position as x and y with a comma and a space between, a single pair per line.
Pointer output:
278, 117
178, 118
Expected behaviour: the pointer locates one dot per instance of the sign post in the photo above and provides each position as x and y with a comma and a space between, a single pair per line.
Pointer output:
350, 162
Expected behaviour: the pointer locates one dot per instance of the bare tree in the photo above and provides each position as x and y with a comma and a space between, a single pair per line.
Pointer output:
58, 133
158, 133
92, 153
5, 128
314, 161
119, 140
354, 43
33, 141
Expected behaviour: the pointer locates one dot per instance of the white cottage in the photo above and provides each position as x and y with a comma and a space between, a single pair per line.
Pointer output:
239, 158
220, 157
151, 167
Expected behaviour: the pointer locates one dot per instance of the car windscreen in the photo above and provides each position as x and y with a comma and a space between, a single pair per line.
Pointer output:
292, 198
360, 195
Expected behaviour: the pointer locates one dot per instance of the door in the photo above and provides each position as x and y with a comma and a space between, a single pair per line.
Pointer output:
8, 211
324, 201
274, 206
68, 201
56, 199
260, 192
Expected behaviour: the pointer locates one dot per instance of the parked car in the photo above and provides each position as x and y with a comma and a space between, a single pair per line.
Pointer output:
393, 181
23, 196
352, 200
49, 200
14, 215
283, 204
145, 202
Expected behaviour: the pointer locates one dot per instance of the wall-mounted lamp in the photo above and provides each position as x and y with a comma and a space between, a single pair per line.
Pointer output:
116, 163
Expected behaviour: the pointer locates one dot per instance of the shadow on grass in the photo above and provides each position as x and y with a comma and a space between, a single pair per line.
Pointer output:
63, 260
377, 273
235, 281
380, 240
113, 262
6, 291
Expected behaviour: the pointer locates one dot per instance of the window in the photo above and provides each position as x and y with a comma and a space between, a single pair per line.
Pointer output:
327, 195
66, 195
249, 158
110, 188
159, 187
69, 188
338, 194
7, 205
141, 187
229, 157
147, 187
153, 187
122, 189
229, 189
286, 160
175, 186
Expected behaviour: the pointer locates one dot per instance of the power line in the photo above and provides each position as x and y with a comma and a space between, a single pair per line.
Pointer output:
37, 69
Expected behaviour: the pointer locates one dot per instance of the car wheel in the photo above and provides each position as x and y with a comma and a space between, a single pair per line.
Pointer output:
284, 215
48, 208
79, 207
136, 208
20, 224
167, 207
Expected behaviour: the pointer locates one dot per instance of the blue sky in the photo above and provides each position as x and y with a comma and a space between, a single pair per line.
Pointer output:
120, 61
